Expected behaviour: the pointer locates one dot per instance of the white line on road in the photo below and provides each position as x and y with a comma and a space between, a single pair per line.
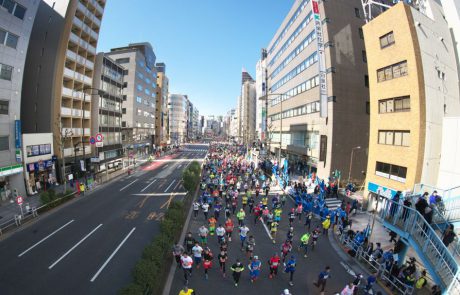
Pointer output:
75, 246
45, 238
127, 185
165, 165
148, 185
266, 229
159, 194
111, 256
170, 185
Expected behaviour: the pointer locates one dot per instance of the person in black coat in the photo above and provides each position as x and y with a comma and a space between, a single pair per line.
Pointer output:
421, 204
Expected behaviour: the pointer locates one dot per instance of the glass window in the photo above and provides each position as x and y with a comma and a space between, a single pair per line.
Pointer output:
402, 172
2, 36
147, 91
8, 4
140, 75
139, 99
394, 170
398, 138
4, 105
387, 40
389, 138
19, 12
382, 137
390, 108
6, 72
406, 103
139, 87
4, 143
406, 139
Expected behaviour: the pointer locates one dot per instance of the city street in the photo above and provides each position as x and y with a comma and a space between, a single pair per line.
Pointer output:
307, 268
91, 245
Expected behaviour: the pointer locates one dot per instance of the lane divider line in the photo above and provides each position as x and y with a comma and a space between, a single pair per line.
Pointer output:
111, 256
266, 229
148, 185
75, 246
170, 185
127, 185
45, 238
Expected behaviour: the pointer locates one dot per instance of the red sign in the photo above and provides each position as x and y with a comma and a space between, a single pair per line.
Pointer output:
19, 200
315, 7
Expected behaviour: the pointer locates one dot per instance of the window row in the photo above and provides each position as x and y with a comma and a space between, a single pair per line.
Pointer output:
106, 103
4, 107
4, 143
396, 104
8, 39
110, 88
294, 53
312, 59
111, 138
106, 120
289, 24
305, 86
391, 171
309, 108
113, 74
394, 137
392, 72
291, 39
6, 72
387, 40
13, 8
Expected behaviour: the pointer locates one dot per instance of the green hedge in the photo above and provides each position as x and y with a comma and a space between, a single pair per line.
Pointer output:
149, 272
52, 199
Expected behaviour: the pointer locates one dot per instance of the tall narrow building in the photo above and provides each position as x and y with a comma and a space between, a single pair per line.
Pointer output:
16, 21
247, 109
58, 78
106, 115
161, 111
177, 109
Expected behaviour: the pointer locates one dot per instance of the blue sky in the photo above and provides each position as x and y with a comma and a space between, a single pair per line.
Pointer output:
204, 43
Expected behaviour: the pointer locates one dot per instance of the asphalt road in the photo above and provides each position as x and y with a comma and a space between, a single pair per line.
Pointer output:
91, 245
307, 268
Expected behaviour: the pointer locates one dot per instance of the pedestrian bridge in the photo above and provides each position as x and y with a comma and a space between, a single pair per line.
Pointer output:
440, 261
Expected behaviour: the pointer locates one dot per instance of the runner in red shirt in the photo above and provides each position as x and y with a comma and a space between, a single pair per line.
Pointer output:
274, 263
229, 226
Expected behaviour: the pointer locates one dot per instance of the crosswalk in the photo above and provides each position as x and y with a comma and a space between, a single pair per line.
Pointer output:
194, 150
333, 203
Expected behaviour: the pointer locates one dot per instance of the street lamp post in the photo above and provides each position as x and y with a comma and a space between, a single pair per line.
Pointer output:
265, 97
99, 92
351, 161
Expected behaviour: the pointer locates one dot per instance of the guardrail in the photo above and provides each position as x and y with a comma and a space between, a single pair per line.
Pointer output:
32, 213
375, 267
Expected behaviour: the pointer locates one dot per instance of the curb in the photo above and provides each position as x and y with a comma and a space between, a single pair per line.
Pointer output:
172, 269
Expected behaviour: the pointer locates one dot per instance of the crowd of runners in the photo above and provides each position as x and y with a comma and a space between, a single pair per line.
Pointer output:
234, 196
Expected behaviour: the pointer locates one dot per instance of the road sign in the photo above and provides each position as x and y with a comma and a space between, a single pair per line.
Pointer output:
99, 137
19, 200
99, 144
92, 140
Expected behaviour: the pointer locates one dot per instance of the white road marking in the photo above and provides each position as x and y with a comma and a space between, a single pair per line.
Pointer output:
170, 185
148, 185
347, 268
111, 256
45, 238
159, 194
165, 165
127, 185
266, 229
75, 246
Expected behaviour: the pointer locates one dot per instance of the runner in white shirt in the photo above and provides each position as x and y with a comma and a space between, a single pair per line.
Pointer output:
186, 263
348, 290
205, 208
243, 234
196, 208
220, 232
197, 250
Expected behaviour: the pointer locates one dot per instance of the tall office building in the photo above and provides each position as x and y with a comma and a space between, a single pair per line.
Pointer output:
16, 21
196, 123
58, 77
139, 97
161, 111
177, 109
317, 81
106, 114
261, 113
413, 73
247, 110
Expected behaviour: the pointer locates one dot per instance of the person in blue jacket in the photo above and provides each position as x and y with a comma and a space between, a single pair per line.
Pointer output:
290, 268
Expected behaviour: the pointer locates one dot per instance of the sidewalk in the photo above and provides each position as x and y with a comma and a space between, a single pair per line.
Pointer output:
8, 210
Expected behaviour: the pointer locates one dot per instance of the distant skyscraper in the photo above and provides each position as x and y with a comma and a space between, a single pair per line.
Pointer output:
247, 110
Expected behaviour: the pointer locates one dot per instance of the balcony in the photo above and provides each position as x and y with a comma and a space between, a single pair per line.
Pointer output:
72, 55
67, 92
87, 114
85, 28
76, 113
71, 152
89, 14
97, 6
66, 111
